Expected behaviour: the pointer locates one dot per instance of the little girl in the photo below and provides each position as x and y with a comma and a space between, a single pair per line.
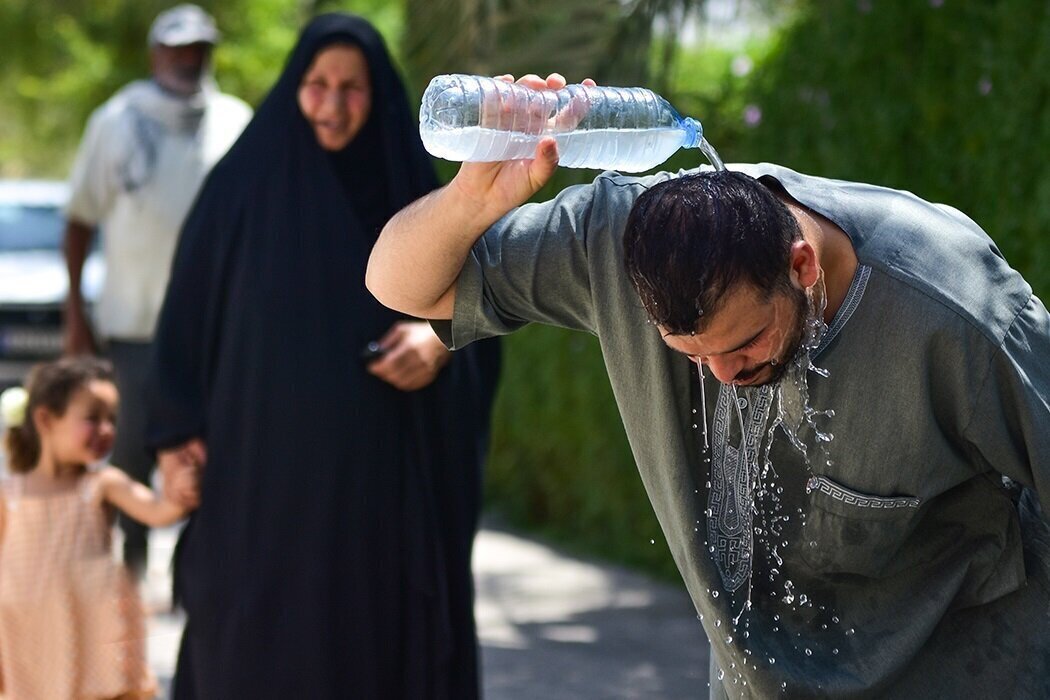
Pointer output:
71, 623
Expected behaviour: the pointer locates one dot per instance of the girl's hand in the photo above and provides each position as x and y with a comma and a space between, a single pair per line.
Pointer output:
414, 356
184, 481
180, 468
141, 503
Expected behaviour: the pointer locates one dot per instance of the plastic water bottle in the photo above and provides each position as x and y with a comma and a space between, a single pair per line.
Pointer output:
474, 118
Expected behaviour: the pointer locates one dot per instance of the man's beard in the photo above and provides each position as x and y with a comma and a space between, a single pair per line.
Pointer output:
183, 81
792, 348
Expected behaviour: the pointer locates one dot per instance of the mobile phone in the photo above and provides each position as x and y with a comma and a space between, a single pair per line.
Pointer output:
373, 351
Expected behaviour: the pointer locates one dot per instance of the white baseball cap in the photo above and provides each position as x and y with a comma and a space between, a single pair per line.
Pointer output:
183, 25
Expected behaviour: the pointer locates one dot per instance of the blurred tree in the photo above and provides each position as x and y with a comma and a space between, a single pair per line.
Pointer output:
609, 40
63, 58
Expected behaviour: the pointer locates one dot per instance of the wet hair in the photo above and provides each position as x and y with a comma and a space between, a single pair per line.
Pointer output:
691, 239
51, 385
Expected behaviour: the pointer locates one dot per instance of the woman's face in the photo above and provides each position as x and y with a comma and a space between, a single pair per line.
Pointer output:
336, 95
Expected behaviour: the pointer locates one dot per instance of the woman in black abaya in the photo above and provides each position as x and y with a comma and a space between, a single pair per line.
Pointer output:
330, 556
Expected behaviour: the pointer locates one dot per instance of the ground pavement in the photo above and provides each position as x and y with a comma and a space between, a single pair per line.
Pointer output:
551, 627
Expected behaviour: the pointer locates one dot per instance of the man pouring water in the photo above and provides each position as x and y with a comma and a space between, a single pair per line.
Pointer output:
836, 394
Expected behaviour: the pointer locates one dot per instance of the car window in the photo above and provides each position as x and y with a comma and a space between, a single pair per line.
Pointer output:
26, 227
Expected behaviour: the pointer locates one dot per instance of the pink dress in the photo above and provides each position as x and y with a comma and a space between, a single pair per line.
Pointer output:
71, 622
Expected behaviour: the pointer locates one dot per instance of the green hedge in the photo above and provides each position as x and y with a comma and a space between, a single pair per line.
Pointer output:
946, 99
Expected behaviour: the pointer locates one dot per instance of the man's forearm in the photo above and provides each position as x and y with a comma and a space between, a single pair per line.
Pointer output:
76, 243
418, 257
416, 261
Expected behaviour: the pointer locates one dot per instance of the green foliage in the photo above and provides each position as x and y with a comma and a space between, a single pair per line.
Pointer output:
63, 58
560, 463
945, 99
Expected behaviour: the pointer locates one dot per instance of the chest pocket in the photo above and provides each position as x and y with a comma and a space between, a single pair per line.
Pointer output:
848, 532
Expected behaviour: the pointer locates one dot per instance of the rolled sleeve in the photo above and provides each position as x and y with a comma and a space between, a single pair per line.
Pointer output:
540, 263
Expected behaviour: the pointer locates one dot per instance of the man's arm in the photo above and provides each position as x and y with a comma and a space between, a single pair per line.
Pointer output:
1008, 428
78, 338
418, 257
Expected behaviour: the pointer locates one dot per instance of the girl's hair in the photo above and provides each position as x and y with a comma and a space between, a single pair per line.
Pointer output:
51, 385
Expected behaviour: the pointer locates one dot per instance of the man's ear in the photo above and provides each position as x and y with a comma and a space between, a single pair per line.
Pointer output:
804, 268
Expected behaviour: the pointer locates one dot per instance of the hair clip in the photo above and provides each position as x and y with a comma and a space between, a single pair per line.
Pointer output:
13, 406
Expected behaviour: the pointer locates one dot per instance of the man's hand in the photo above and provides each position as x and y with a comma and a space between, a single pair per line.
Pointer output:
420, 253
180, 469
493, 189
414, 356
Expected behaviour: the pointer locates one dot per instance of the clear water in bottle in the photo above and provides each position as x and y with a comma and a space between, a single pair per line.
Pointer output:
473, 118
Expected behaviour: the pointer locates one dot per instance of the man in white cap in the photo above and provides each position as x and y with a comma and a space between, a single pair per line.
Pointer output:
143, 157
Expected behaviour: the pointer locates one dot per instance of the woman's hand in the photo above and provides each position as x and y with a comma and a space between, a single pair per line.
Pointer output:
413, 356
180, 468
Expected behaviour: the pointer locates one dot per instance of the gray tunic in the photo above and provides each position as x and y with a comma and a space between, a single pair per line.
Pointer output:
892, 561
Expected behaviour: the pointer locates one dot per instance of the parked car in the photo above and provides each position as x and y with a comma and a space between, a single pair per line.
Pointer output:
33, 277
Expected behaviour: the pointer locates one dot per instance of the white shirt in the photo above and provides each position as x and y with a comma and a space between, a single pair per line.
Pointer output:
140, 164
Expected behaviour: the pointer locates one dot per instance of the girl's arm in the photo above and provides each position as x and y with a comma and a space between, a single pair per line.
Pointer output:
138, 501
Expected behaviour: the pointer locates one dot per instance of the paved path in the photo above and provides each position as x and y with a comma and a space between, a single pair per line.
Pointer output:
551, 627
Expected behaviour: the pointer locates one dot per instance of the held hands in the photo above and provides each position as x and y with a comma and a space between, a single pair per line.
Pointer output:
496, 188
414, 356
180, 469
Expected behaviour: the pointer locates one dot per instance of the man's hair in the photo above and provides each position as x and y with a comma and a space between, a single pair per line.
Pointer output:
691, 239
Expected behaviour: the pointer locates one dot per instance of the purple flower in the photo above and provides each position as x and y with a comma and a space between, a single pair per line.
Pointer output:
752, 115
984, 86
741, 65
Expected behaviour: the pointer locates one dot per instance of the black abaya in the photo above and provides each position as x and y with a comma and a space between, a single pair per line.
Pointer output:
330, 557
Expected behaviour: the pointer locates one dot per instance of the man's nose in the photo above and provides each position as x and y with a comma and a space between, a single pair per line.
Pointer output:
724, 367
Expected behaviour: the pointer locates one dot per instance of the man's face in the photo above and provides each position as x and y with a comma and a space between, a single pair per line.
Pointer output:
750, 340
180, 69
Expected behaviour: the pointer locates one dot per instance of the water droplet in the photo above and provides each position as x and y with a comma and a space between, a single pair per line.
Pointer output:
849, 632
809, 652
835, 651
772, 660
718, 623
729, 640
835, 619
714, 594
721, 674
652, 541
